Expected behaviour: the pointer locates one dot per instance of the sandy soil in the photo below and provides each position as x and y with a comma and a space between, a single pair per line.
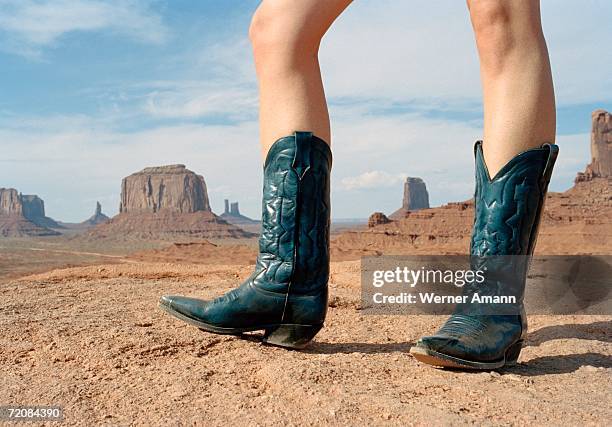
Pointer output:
92, 340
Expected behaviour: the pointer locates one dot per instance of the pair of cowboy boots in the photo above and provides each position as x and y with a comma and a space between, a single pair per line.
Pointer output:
286, 295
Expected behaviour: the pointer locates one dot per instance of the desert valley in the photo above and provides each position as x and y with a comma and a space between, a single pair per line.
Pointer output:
80, 324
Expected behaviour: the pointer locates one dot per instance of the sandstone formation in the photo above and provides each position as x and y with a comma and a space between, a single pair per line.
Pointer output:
33, 206
578, 221
97, 218
34, 210
601, 148
377, 218
415, 197
232, 215
24, 215
10, 202
165, 202
172, 188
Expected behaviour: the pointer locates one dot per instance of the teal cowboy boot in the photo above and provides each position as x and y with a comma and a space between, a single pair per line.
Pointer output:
286, 296
506, 219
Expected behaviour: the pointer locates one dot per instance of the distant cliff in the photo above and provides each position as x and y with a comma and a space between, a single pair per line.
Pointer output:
415, 198
172, 188
233, 216
601, 148
97, 218
24, 215
165, 202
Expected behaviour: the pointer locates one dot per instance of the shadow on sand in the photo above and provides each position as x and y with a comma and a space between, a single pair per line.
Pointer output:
598, 331
566, 363
546, 365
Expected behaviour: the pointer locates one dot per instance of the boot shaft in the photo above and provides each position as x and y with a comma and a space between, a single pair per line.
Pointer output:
294, 242
508, 206
507, 214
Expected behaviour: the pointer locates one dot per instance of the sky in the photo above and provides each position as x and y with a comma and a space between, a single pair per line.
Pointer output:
94, 90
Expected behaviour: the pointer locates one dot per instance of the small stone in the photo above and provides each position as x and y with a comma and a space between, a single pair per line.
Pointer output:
143, 324
512, 377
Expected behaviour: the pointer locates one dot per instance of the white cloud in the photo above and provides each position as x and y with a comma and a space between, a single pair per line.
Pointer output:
371, 179
200, 99
28, 26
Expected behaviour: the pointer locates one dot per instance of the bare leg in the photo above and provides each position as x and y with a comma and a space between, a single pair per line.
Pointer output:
519, 102
294, 239
286, 35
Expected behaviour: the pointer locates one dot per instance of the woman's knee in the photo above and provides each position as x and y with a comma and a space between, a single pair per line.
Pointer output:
492, 23
276, 30
503, 27
489, 14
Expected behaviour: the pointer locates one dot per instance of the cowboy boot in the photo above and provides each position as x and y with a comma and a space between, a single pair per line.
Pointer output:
286, 296
507, 215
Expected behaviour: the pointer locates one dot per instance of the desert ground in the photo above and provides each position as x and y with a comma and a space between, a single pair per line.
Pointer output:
80, 327
92, 340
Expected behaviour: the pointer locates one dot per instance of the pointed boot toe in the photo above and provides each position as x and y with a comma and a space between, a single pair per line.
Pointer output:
190, 310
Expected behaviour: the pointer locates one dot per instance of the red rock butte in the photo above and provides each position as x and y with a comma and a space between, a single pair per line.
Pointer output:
601, 148
165, 201
172, 188
23, 215
415, 198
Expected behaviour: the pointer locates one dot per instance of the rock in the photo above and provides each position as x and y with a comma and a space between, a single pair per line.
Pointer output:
34, 210
33, 206
165, 202
601, 148
24, 215
415, 197
172, 188
10, 202
233, 216
377, 218
601, 144
97, 218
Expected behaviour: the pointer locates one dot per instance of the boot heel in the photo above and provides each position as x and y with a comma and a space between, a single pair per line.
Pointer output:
291, 336
513, 352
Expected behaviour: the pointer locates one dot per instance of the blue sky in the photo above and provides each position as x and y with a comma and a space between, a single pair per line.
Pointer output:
93, 90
